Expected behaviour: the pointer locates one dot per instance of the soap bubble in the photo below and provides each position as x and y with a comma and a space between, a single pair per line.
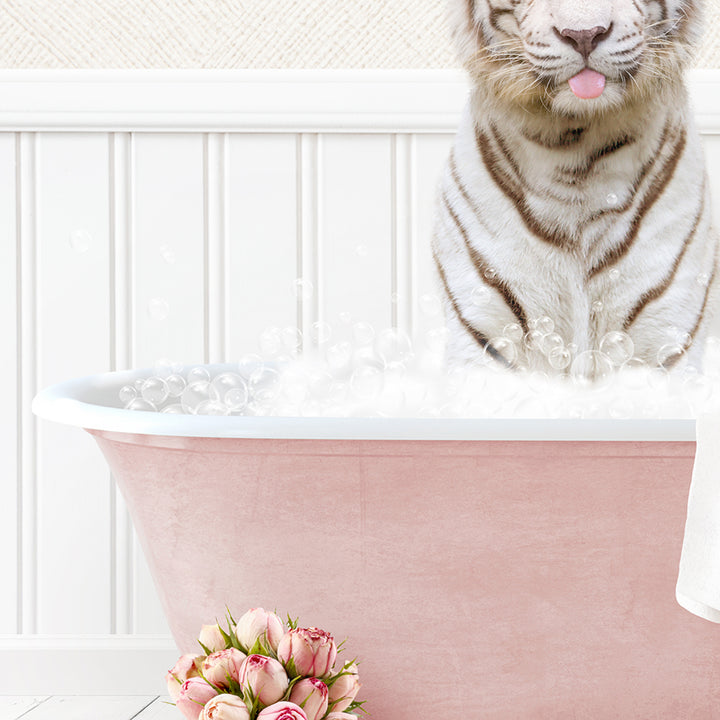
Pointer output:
430, 305
618, 346
513, 331
303, 289
211, 407
338, 355
633, 373
597, 307
480, 295
611, 199
490, 274
174, 409
127, 393
168, 254
140, 404
158, 308
248, 363
671, 355
198, 373
550, 341
229, 389
164, 367
320, 382
175, 385
196, 392
591, 368
263, 384
291, 339
703, 279
363, 333
532, 339
80, 240
436, 338
544, 324
505, 347
393, 344
271, 342
154, 390
614, 274
321, 332
559, 358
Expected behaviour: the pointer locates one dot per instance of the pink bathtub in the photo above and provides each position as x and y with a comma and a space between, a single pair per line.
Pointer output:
479, 569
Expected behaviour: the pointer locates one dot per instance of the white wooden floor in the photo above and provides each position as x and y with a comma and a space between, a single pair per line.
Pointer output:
83, 707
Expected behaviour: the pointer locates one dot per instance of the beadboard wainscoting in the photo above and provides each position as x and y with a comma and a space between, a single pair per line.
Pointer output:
178, 214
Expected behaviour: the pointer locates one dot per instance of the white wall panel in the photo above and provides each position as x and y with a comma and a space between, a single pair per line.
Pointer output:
262, 263
73, 488
431, 152
9, 365
356, 238
168, 248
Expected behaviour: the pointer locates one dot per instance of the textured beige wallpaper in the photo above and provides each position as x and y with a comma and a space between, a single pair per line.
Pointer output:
240, 34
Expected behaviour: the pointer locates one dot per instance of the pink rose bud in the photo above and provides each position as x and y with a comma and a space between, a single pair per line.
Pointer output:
256, 624
265, 677
211, 638
343, 690
225, 707
194, 693
283, 711
312, 651
219, 665
311, 695
186, 667
340, 716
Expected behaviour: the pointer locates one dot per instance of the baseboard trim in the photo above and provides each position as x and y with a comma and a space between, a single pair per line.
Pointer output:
85, 665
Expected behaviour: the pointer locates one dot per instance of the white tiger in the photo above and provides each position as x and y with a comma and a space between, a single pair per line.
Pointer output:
576, 188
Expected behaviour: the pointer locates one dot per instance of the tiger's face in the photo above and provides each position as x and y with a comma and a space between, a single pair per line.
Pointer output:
575, 57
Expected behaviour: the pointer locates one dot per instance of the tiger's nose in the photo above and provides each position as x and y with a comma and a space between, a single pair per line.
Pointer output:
584, 41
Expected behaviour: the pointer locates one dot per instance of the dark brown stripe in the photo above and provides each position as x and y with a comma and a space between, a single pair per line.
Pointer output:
495, 13
672, 360
566, 139
581, 172
655, 190
484, 270
476, 334
514, 193
659, 290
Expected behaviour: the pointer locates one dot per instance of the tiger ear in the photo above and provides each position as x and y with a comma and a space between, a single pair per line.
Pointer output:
465, 27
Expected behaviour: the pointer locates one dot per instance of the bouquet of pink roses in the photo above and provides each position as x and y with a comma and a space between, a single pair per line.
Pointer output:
262, 668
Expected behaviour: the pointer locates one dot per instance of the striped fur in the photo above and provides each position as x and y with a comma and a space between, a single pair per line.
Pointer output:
592, 212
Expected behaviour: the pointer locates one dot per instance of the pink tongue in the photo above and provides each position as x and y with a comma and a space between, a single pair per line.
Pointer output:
587, 84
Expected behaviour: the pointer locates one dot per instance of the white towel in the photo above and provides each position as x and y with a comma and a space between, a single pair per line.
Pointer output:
698, 585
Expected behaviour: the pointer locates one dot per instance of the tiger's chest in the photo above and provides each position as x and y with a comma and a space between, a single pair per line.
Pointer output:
586, 226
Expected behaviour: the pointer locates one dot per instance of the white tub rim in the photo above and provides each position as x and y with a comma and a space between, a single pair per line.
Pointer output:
79, 402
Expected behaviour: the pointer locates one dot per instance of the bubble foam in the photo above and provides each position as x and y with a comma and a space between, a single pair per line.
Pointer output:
354, 370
